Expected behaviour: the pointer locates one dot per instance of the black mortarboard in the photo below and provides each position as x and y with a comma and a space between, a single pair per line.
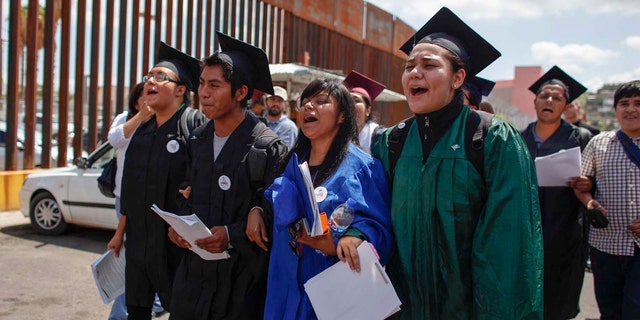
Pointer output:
186, 67
445, 29
478, 87
358, 82
249, 61
555, 75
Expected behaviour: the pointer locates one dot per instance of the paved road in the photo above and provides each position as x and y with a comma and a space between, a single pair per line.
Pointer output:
44, 277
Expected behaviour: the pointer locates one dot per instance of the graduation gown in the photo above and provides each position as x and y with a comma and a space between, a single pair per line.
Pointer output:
563, 229
233, 288
466, 249
155, 165
358, 177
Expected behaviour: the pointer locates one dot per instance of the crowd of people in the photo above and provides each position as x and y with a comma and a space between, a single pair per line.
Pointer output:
449, 198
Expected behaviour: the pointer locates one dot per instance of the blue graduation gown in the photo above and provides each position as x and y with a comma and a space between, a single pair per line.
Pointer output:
359, 177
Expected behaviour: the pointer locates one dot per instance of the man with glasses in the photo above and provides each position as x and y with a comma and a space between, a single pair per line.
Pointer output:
155, 164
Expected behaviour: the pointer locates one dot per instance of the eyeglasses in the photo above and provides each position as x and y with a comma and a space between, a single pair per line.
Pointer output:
160, 77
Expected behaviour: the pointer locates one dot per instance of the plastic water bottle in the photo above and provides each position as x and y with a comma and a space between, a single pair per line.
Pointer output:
341, 218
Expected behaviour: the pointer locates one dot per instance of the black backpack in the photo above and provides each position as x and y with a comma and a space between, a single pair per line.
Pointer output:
263, 139
188, 122
478, 123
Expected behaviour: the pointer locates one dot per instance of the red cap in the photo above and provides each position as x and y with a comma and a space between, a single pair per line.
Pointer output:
359, 83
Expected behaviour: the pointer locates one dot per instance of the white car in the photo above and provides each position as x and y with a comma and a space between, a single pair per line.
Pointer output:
55, 198
37, 155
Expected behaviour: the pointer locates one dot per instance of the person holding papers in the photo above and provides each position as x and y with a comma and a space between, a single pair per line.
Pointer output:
468, 239
230, 169
339, 171
154, 165
564, 236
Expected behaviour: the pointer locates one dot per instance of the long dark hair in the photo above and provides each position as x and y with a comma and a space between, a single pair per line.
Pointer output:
134, 95
346, 133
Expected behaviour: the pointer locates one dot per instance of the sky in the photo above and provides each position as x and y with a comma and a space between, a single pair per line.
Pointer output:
595, 41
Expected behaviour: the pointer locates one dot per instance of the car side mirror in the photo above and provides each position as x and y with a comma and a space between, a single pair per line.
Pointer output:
81, 163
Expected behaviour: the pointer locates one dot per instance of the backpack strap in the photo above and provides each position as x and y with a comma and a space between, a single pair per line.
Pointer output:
187, 122
263, 139
397, 137
478, 123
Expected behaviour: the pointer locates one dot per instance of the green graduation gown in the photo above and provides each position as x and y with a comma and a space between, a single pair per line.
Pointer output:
466, 249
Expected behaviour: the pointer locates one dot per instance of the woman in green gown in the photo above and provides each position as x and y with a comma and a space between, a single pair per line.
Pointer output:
469, 238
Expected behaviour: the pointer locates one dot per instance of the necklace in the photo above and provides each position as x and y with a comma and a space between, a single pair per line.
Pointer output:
314, 173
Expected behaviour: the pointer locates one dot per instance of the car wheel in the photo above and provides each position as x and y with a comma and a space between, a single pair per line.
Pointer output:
45, 215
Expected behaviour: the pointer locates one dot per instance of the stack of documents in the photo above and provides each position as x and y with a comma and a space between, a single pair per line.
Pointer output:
316, 228
108, 272
341, 293
554, 170
190, 228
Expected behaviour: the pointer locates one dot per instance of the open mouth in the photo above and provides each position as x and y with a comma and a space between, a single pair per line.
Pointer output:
547, 110
418, 91
310, 118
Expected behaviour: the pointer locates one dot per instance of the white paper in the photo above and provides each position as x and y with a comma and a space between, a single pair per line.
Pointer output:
341, 293
108, 272
555, 169
316, 228
190, 228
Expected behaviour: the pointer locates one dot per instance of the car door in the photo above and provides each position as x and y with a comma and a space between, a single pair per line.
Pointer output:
86, 204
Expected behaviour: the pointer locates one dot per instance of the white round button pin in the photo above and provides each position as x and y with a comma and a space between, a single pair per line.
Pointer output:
173, 146
320, 193
224, 182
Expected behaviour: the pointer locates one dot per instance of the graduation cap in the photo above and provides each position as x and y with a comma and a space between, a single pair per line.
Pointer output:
555, 75
445, 29
249, 61
186, 67
359, 83
478, 87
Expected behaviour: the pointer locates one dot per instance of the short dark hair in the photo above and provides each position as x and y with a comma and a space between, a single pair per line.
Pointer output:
627, 90
228, 73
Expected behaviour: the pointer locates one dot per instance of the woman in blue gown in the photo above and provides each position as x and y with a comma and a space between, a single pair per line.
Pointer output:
340, 170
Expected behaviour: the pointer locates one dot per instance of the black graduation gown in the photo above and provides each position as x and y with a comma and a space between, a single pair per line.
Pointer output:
562, 228
151, 175
234, 288
593, 129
